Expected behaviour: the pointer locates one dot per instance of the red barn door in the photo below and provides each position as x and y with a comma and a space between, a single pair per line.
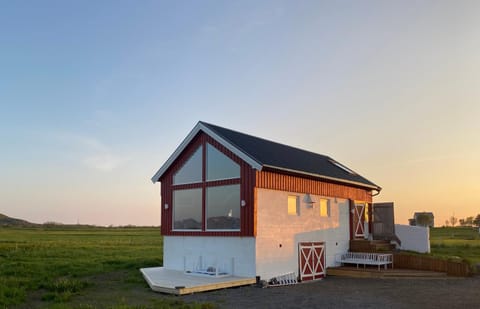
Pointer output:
311, 260
358, 220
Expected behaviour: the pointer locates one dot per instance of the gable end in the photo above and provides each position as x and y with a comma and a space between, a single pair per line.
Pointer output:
245, 181
200, 127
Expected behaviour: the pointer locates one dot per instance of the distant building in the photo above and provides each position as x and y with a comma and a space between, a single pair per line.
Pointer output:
422, 219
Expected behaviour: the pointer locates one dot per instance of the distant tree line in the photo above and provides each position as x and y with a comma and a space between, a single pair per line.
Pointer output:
468, 221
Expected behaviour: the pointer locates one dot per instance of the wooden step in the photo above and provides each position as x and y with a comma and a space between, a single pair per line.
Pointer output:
383, 246
360, 245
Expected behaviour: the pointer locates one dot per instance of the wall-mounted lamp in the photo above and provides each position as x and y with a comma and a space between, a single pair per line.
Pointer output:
243, 203
307, 199
165, 206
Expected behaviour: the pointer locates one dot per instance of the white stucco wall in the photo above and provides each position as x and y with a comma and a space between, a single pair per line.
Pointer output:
413, 238
181, 250
279, 233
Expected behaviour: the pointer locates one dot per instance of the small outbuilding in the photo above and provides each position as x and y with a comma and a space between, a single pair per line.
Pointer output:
422, 219
236, 204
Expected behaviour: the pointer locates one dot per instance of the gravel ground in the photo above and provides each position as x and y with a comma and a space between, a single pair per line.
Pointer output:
341, 292
118, 288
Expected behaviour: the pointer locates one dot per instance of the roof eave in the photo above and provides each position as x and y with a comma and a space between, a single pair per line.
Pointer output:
201, 127
350, 182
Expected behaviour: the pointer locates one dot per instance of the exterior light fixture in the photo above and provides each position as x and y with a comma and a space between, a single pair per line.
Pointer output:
165, 206
307, 199
243, 203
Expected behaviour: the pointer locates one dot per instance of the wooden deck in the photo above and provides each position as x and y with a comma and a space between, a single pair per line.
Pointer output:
373, 272
177, 282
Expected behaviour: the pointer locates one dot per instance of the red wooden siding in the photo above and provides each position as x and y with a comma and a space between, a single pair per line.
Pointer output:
275, 181
249, 180
247, 183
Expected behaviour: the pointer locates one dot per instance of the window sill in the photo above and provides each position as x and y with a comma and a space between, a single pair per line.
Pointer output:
207, 233
188, 230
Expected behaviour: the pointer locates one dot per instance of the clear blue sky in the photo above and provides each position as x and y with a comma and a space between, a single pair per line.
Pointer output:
95, 95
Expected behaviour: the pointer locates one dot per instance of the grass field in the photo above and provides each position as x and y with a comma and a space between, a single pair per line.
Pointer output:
463, 242
65, 268
98, 267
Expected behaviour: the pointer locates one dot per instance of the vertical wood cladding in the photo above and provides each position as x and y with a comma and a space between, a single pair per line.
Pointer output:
275, 181
246, 181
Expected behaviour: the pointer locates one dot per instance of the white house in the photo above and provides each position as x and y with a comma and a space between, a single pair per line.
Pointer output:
238, 204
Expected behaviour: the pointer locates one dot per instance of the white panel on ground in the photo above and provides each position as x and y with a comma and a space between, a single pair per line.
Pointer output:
414, 238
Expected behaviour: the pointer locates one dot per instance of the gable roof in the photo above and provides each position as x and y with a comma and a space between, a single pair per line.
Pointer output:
261, 153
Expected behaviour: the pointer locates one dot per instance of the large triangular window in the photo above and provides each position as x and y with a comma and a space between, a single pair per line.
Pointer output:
191, 171
206, 192
219, 166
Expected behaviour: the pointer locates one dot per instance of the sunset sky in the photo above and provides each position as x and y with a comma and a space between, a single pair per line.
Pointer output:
96, 95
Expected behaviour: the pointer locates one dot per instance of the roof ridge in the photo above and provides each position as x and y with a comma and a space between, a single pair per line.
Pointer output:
264, 139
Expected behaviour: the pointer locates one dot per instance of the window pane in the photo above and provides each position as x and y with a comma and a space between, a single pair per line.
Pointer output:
187, 209
191, 171
223, 207
219, 166
293, 205
324, 208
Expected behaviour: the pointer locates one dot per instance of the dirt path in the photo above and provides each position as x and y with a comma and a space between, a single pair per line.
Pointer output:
338, 292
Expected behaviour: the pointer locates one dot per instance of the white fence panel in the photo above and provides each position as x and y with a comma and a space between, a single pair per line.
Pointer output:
414, 238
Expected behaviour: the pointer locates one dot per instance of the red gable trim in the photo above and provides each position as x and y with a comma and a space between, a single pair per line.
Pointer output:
247, 183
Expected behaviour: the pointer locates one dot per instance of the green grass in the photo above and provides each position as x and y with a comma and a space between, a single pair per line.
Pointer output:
65, 267
52, 267
459, 242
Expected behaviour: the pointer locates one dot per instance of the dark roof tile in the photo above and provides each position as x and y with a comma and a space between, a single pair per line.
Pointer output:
283, 157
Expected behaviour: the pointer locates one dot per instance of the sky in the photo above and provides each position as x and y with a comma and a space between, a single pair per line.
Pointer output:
96, 95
